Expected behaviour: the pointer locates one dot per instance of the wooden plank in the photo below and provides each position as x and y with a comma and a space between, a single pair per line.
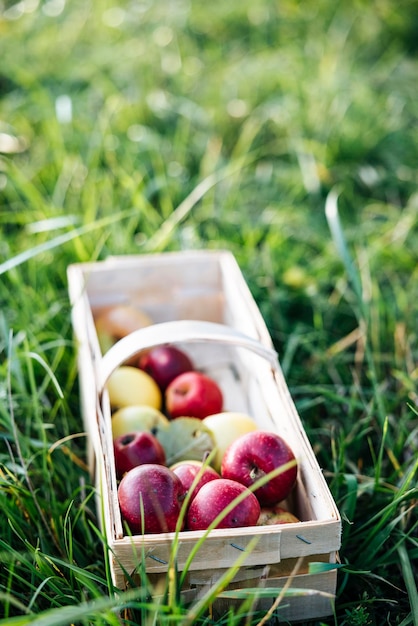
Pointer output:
316, 599
219, 551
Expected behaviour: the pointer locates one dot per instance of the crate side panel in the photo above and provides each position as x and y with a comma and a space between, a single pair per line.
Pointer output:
178, 288
218, 551
315, 598
241, 310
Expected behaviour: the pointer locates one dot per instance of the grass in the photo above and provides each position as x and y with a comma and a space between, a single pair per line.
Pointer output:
284, 132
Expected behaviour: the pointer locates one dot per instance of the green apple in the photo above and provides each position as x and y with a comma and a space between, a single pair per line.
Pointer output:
186, 438
128, 385
135, 418
226, 427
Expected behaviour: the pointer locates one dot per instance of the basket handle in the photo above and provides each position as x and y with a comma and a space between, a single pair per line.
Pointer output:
178, 331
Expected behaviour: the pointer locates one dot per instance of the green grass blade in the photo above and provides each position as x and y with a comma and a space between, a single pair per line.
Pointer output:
59, 241
334, 223
410, 581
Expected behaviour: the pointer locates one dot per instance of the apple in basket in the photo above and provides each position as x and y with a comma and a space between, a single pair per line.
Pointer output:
193, 394
225, 428
194, 472
127, 386
129, 419
276, 515
164, 364
150, 499
136, 448
214, 497
255, 455
117, 321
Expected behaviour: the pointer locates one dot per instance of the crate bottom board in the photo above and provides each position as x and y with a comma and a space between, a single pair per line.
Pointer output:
310, 596
314, 598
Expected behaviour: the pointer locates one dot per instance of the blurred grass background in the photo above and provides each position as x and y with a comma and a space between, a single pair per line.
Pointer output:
150, 126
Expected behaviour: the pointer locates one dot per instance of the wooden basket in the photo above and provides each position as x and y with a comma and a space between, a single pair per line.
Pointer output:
200, 301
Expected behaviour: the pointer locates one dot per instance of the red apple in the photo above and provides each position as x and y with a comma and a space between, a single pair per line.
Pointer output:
155, 490
276, 515
165, 363
135, 449
193, 394
212, 499
187, 471
256, 454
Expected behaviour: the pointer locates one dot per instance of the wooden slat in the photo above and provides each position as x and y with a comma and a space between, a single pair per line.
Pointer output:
317, 602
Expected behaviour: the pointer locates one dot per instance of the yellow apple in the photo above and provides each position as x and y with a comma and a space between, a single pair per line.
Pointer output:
130, 419
226, 427
128, 385
276, 515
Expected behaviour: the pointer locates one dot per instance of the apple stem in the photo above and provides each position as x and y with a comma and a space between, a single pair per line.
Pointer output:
256, 473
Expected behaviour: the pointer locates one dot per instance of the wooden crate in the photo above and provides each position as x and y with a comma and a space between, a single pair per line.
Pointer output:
200, 300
